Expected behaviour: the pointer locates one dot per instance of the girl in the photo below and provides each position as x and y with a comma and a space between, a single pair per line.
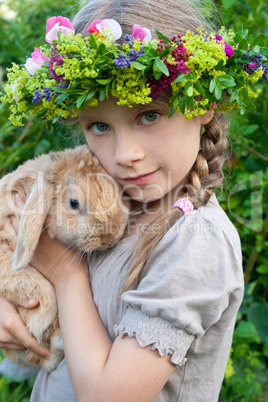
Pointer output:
156, 317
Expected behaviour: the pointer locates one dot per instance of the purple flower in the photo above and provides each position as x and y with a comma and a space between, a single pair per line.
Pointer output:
47, 94
37, 97
228, 50
218, 37
122, 61
134, 55
129, 39
59, 62
255, 62
265, 72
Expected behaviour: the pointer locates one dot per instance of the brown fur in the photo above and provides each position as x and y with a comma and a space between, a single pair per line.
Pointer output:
49, 183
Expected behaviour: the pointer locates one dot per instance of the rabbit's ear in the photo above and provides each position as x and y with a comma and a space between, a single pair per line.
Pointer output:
31, 223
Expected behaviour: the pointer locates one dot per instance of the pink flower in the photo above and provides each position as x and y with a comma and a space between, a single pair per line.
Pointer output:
109, 28
218, 37
141, 33
252, 65
36, 61
228, 50
56, 24
92, 27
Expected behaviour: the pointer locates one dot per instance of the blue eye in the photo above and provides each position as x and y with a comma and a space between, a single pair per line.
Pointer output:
149, 117
99, 128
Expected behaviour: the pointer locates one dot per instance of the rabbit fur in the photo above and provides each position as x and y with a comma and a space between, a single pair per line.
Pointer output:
70, 194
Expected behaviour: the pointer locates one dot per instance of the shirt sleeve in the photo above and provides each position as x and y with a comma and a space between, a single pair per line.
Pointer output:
185, 287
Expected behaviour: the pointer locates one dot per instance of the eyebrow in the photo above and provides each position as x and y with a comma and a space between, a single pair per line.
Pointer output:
136, 109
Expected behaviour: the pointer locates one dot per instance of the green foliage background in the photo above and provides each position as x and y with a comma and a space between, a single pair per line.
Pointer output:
244, 196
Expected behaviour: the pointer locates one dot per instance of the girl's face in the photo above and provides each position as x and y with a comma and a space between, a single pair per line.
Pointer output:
149, 154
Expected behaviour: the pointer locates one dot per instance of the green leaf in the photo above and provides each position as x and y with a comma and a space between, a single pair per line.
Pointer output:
81, 99
243, 45
257, 49
102, 95
234, 96
152, 52
246, 331
228, 3
172, 111
219, 65
104, 81
138, 65
218, 92
259, 40
161, 36
102, 48
62, 98
199, 88
92, 41
180, 78
191, 76
161, 66
90, 94
190, 91
59, 90
212, 85
258, 314
226, 81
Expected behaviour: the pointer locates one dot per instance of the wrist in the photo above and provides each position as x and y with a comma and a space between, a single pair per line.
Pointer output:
72, 269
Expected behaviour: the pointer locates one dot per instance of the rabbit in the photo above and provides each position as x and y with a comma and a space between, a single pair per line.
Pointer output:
69, 193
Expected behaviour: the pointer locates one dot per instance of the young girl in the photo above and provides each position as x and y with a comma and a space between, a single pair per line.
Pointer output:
151, 318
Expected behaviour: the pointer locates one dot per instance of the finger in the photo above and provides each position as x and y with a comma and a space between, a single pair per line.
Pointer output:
29, 342
11, 346
18, 334
29, 303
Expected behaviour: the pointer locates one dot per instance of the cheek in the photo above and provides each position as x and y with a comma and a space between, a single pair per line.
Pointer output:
102, 151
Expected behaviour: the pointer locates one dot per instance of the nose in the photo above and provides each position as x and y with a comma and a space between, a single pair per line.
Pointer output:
128, 148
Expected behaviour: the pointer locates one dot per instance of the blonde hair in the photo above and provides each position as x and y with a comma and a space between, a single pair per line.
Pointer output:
170, 17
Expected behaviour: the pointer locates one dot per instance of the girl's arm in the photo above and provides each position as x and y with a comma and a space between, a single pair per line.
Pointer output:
99, 369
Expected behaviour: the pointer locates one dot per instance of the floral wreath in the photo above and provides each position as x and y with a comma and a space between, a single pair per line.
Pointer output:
59, 80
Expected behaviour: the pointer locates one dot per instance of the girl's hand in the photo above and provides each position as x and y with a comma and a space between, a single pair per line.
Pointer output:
13, 332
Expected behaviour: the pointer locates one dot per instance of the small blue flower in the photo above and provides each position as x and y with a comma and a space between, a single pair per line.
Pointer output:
255, 63
265, 72
129, 39
37, 97
47, 94
134, 55
122, 61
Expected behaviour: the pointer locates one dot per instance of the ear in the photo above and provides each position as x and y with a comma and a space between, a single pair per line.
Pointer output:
31, 223
207, 117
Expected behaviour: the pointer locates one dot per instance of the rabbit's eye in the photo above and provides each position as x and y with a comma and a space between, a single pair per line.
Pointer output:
74, 204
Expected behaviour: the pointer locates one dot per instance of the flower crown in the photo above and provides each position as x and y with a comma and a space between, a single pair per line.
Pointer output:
74, 71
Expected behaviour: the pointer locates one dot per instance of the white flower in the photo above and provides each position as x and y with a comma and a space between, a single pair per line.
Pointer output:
108, 28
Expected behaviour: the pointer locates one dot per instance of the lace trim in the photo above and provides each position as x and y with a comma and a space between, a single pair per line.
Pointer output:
155, 331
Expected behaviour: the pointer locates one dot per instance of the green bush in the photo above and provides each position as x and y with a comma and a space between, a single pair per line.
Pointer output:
244, 196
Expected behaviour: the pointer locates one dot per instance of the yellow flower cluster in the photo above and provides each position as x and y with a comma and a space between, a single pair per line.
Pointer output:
129, 90
206, 52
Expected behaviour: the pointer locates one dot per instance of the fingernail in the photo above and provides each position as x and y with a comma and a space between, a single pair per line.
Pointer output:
47, 357
29, 302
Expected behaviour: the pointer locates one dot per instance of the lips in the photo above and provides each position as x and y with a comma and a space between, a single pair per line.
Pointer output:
139, 180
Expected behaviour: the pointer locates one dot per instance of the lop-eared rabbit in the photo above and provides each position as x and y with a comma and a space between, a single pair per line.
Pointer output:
70, 195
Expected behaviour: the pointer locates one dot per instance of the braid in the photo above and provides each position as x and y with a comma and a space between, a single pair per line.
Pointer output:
205, 174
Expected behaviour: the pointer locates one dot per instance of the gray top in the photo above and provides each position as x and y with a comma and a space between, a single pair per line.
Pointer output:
185, 305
